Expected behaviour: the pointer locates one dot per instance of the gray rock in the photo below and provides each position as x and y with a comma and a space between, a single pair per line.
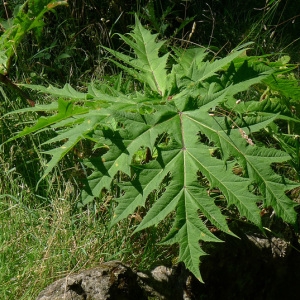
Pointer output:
111, 280
116, 281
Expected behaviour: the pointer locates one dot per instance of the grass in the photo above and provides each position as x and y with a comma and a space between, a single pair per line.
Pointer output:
41, 244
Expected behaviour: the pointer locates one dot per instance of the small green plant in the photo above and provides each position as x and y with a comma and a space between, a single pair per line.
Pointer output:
28, 17
174, 131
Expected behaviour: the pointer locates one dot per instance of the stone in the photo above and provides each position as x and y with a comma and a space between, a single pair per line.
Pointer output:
111, 280
116, 281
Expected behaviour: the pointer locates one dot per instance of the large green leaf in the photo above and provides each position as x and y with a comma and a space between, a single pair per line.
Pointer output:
182, 160
200, 142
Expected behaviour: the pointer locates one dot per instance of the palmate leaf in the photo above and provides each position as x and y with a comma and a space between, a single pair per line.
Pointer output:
182, 159
198, 142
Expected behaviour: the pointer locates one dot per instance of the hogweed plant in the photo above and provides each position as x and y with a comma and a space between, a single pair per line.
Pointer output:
180, 126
